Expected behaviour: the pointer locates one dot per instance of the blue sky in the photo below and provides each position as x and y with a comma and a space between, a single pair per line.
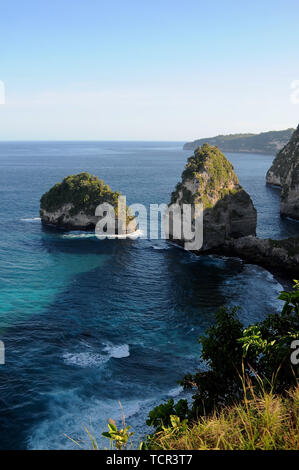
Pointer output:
147, 70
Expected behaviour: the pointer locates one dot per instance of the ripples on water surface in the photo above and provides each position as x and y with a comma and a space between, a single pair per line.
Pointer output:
86, 322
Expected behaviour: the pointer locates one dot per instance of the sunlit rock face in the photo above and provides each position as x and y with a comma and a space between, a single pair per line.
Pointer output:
284, 172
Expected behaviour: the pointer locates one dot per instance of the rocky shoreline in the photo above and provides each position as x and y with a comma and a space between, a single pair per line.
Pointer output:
278, 256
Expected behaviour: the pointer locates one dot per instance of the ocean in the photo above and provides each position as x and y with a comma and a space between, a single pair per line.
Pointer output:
89, 323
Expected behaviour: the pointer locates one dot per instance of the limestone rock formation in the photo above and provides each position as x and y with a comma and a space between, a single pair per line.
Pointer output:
71, 204
284, 172
228, 211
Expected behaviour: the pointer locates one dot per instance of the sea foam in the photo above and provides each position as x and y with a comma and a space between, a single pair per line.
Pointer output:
31, 219
93, 359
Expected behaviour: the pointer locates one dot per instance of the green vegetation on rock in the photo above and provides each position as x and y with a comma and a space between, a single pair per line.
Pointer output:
72, 204
245, 385
246, 395
84, 191
262, 421
213, 171
209, 179
212, 160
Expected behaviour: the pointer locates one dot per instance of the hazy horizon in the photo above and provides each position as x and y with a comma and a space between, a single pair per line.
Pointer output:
132, 140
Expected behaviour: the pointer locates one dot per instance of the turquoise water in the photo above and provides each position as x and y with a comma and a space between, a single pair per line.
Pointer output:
87, 323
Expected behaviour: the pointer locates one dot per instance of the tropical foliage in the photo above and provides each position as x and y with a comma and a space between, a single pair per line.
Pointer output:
263, 421
260, 353
83, 191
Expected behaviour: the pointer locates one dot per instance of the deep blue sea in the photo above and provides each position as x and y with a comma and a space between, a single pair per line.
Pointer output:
87, 323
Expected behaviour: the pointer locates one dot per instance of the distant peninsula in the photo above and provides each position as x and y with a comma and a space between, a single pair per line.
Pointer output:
265, 142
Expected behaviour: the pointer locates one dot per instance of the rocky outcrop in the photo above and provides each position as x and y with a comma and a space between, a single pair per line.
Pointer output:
284, 172
71, 204
228, 211
275, 255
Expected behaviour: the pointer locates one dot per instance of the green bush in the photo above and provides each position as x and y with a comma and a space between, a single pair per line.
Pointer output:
220, 171
84, 191
161, 415
263, 421
231, 352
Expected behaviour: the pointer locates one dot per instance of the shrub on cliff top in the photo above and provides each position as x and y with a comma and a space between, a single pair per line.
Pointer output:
261, 352
220, 174
84, 191
212, 160
261, 421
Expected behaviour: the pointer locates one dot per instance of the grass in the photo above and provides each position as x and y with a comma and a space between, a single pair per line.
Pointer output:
263, 422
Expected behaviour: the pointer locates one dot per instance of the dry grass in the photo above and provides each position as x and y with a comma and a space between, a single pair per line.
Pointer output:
264, 422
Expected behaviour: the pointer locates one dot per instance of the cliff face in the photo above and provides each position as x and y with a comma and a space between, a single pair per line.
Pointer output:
228, 211
71, 204
284, 172
61, 217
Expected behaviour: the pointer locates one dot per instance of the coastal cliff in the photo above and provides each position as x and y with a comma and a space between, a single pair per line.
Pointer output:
71, 204
228, 211
284, 172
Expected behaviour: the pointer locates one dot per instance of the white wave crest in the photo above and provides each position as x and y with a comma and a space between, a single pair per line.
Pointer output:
78, 235
175, 392
86, 235
31, 219
92, 359
132, 236
117, 351
84, 359
159, 247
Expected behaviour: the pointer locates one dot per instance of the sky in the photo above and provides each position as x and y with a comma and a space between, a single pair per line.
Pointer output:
148, 69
